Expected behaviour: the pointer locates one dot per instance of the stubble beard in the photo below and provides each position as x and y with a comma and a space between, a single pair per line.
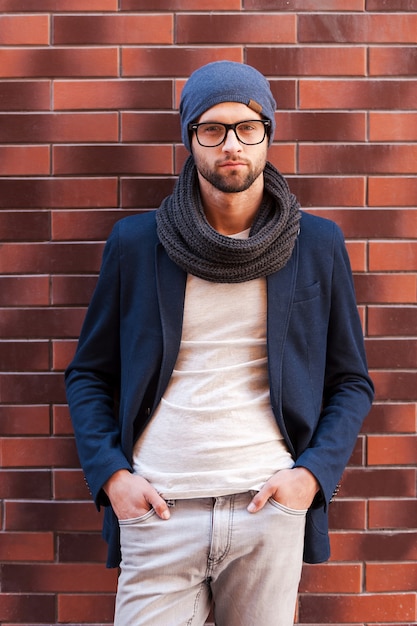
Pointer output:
233, 182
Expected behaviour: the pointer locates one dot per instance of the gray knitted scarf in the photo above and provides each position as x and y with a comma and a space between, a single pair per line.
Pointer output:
199, 249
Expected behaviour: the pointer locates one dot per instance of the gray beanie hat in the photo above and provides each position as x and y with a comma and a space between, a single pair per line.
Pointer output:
225, 81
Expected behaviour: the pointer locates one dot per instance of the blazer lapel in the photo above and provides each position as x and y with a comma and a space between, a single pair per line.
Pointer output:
171, 282
280, 289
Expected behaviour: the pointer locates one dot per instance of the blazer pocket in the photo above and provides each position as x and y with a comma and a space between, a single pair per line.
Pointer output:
307, 293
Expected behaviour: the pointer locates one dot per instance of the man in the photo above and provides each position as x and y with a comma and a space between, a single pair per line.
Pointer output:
224, 330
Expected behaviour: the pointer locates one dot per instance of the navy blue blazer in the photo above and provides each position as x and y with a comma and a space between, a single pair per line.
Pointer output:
319, 386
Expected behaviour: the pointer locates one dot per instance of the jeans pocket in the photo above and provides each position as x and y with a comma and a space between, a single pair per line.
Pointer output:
137, 520
286, 509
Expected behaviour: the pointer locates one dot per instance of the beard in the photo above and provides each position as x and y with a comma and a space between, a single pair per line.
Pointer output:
232, 181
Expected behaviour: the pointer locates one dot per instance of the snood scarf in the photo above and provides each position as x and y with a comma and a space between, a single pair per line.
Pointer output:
199, 249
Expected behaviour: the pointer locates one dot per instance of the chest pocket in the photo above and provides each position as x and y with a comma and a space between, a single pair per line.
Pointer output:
307, 293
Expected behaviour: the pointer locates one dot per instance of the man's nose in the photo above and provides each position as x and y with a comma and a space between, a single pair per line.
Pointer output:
231, 141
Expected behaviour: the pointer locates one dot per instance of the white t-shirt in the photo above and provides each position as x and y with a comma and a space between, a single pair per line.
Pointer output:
214, 432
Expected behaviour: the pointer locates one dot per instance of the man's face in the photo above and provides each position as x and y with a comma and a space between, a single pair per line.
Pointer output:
232, 166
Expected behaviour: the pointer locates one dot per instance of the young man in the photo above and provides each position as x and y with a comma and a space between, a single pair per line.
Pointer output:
220, 380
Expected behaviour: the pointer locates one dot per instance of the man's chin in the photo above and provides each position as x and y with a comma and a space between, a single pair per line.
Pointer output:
233, 183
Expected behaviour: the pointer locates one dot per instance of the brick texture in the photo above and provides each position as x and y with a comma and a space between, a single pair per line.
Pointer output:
89, 133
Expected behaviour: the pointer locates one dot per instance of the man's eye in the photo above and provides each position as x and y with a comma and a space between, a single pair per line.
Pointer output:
212, 129
246, 128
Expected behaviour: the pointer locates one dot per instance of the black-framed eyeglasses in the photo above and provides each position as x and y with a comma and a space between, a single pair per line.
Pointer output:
212, 134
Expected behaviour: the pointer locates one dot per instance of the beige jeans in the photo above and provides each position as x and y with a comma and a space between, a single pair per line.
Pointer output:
211, 550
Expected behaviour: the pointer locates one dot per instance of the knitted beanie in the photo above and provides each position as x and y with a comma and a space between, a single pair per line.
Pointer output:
225, 81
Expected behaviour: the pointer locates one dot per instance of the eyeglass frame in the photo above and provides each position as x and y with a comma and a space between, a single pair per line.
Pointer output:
193, 126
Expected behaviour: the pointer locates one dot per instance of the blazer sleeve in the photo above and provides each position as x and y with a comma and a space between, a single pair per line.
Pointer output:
93, 378
348, 390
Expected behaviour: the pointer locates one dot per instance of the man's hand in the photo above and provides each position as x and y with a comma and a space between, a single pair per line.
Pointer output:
294, 488
132, 496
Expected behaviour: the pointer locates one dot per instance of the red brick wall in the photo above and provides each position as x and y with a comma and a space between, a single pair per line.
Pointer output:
89, 92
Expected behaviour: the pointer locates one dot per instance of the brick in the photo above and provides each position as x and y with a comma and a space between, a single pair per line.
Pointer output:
284, 157
392, 353
52, 323
331, 578
46, 258
392, 126
18, 30
82, 607
373, 223
31, 388
391, 191
61, 420
357, 457
312, 61
70, 485
33, 608
391, 418
58, 193
359, 28
334, 191
377, 483
94, 225
59, 127
21, 160
52, 62
24, 290
145, 193
52, 516
393, 256
362, 316
24, 225
359, 159
392, 449
81, 547
370, 546
392, 320
21, 484
321, 624
391, 577
113, 29
386, 288
25, 95
38, 452
347, 515
285, 93
150, 127
388, 61
20, 356
120, 159
62, 353
392, 513
397, 385
366, 608
357, 255
24, 420
357, 94
58, 5
391, 5
58, 577
181, 5
303, 5
317, 126
26, 547
168, 62
236, 28
113, 94
72, 290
